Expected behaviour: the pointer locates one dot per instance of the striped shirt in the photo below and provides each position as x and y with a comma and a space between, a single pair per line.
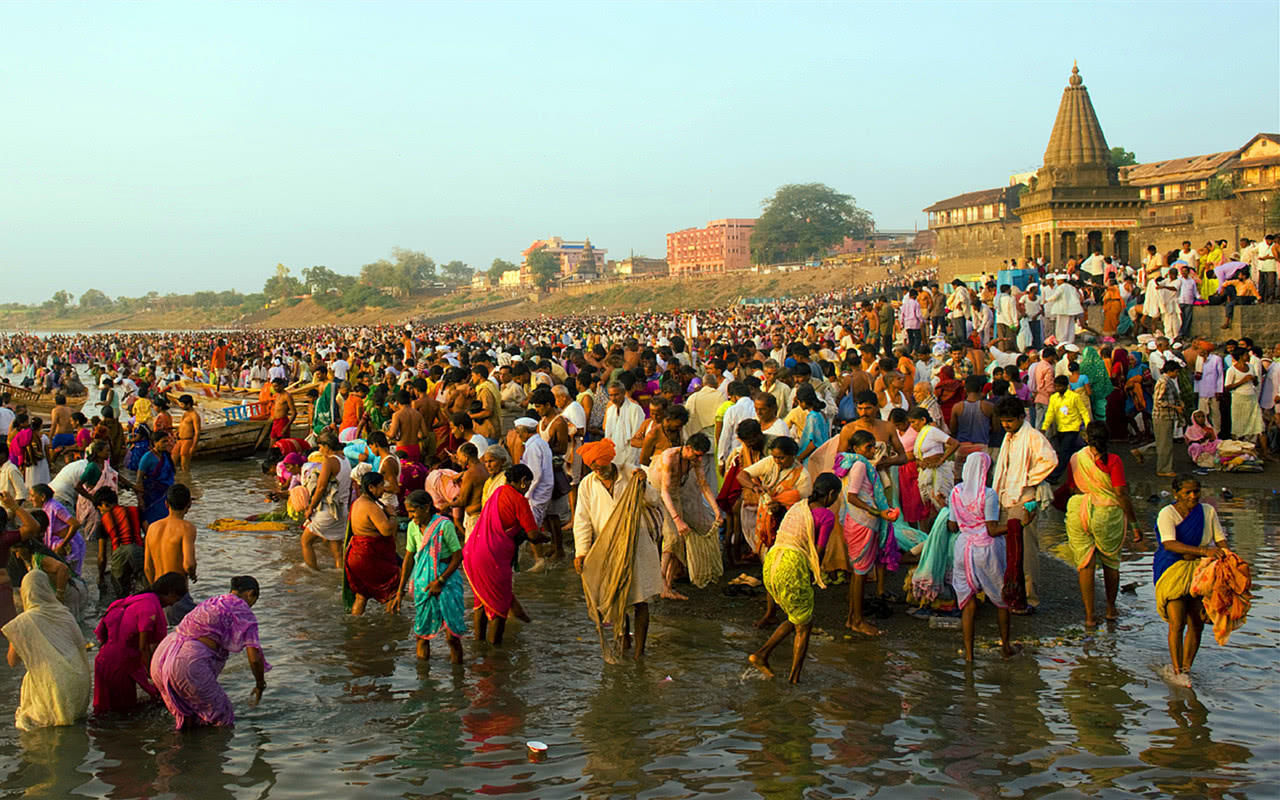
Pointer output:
1165, 399
124, 525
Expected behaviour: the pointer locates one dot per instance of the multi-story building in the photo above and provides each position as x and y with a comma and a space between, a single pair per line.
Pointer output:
724, 245
571, 255
973, 228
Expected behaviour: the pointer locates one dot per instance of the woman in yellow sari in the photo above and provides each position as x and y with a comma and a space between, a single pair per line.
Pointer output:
1097, 516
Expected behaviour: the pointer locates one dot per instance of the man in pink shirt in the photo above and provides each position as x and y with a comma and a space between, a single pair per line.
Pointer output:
1040, 382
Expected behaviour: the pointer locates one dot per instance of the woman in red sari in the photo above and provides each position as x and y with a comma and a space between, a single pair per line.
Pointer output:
1116, 419
489, 554
129, 633
949, 390
371, 567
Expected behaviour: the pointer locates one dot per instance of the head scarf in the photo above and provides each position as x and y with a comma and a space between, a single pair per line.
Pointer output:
45, 634
1092, 365
974, 478
597, 454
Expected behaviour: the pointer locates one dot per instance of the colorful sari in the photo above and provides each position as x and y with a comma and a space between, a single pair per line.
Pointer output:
490, 549
185, 670
784, 492
1171, 572
445, 610
863, 541
1117, 423
118, 670
55, 689
370, 567
1095, 369
816, 432
978, 564
791, 565
322, 415
1095, 521
930, 578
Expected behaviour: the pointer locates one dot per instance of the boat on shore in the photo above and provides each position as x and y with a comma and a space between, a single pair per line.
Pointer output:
39, 403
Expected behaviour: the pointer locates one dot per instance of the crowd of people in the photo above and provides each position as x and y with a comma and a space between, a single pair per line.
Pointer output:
895, 434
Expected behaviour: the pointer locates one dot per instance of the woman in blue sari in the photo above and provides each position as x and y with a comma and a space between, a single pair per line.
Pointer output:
1188, 531
815, 431
433, 561
156, 473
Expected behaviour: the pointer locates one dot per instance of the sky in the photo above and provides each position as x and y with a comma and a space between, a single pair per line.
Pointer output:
191, 146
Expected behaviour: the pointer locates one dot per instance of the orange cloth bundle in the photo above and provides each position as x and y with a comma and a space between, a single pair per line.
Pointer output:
1223, 585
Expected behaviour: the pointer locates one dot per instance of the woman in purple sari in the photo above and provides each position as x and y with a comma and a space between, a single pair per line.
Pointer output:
186, 666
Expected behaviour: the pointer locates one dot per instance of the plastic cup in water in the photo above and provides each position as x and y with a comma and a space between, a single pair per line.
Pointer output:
537, 751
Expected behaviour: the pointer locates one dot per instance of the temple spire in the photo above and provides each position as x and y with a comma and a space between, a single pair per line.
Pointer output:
1077, 141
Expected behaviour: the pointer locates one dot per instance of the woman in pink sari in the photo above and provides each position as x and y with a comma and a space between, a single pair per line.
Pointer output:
489, 554
978, 564
187, 664
129, 633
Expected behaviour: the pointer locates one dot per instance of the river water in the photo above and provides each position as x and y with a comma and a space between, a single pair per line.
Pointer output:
349, 713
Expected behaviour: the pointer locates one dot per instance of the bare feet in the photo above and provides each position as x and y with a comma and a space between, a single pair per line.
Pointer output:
766, 621
539, 566
760, 664
1137, 456
672, 594
1112, 614
1009, 651
863, 627
1090, 623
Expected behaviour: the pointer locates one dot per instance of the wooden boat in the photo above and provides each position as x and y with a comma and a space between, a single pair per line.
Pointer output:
39, 403
224, 442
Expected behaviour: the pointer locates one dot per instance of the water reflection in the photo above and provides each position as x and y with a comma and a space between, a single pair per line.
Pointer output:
349, 712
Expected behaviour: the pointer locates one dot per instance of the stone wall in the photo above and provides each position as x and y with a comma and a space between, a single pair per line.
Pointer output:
976, 247
1198, 221
1260, 323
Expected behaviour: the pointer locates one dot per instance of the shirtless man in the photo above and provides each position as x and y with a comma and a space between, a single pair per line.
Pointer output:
884, 431
188, 434
426, 406
408, 428
170, 546
62, 430
283, 412
669, 433
470, 486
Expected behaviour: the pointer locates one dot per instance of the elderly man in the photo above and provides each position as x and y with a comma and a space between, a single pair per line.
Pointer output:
615, 528
622, 419
537, 457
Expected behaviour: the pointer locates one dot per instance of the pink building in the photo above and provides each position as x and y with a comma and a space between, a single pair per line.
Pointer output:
723, 246
571, 255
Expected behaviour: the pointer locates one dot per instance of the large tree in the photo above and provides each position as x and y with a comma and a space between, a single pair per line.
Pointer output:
1122, 158
544, 266
282, 284
94, 298
803, 220
320, 279
59, 302
498, 267
457, 272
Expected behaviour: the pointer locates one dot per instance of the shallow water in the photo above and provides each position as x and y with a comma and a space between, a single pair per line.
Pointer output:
349, 713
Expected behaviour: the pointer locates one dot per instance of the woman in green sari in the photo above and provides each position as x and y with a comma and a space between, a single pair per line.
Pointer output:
1097, 516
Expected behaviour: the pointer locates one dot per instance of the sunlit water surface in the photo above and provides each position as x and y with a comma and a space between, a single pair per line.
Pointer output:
349, 713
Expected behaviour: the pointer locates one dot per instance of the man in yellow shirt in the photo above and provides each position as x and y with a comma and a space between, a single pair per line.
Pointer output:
1068, 413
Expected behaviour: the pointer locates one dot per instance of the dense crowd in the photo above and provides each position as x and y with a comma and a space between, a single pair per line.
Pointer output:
899, 430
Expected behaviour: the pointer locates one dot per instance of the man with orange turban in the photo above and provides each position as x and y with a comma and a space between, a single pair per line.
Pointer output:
616, 524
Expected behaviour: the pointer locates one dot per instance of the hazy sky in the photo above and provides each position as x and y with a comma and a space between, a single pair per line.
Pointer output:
186, 146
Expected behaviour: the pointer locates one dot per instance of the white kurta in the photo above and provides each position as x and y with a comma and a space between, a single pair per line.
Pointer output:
620, 424
595, 504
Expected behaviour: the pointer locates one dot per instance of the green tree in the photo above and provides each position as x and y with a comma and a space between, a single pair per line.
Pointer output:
378, 274
413, 269
803, 220
94, 298
320, 279
544, 266
498, 267
282, 284
1220, 187
59, 302
457, 272
1122, 158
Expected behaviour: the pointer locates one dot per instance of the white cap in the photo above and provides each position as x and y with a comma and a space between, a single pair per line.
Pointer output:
526, 422
1151, 345
1071, 348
